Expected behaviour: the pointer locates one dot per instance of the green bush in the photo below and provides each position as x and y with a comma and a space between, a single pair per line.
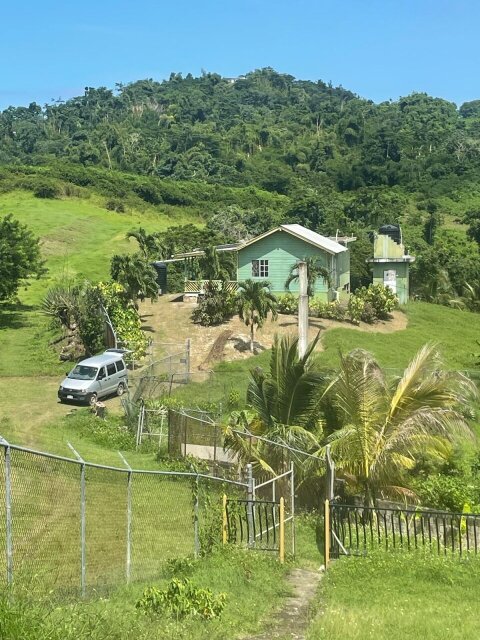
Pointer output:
181, 599
47, 189
216, 306
233, 400
382, 299
355, 308
450, 493
124, 317
287, 303
115, 205
329, 310
186, 463
109, 433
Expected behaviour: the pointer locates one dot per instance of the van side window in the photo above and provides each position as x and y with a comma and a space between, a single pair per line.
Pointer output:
101, 373
120, 365
111, 369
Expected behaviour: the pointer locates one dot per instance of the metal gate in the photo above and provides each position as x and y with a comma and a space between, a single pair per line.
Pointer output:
265, 520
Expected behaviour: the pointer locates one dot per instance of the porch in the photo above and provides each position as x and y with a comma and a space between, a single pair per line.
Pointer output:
194, 288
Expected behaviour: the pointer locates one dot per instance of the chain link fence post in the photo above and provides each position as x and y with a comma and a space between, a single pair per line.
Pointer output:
8, 513
83, 520
196, 531
128, 559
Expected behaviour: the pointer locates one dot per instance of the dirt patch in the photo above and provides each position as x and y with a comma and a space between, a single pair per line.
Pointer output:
293, 618
169, 321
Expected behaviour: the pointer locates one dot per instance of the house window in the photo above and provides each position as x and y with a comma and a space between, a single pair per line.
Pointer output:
259, 268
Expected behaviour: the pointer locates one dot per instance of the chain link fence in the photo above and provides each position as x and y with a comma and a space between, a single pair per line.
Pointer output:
72, 525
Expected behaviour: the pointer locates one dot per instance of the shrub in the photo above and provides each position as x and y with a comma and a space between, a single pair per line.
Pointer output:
233, 400
182, 464
382, 299
355, 309
369, 314
287, 303
182, 598
46, 189
329, 310
115, 205
124, 317
450, 493
109, 433
149, 193
216, 307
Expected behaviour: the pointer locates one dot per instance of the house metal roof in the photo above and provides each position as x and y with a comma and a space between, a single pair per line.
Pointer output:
314, 238
328, 245
322, 242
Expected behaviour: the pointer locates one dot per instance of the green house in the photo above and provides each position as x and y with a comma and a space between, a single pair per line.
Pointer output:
271, 256
390, 263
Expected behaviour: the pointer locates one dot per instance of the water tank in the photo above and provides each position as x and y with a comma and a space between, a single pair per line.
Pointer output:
392, 230
161, 269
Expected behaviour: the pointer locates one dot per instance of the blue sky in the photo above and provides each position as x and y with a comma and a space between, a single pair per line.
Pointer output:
380, 49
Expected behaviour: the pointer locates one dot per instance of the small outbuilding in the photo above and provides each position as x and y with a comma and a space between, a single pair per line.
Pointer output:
390, 263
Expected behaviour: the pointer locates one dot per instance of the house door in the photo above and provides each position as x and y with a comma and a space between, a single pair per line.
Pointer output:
390, 279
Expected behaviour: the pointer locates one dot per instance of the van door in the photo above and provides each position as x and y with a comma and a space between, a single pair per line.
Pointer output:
112, 378
101, 388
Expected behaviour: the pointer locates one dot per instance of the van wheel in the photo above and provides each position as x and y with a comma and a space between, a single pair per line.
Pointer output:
92, 400
120, 389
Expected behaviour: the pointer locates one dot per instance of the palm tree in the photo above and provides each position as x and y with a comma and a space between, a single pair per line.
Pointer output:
149, 244
314, 271
136, 275
384, 426
217, 266
283, 408
255, 302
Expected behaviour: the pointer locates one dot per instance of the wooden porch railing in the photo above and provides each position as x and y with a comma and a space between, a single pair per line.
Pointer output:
198, 286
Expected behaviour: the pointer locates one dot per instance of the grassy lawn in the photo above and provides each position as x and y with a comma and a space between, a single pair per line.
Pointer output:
241, 576
398, 596
452, 330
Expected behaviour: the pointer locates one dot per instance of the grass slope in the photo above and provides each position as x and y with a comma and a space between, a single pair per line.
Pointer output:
452, 330
241, 575
397, 596
79, 238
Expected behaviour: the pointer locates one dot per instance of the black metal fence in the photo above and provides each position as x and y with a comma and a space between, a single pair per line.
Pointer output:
253, 523
356, 529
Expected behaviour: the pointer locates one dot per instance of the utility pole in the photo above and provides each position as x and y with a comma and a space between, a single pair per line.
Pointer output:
302, 309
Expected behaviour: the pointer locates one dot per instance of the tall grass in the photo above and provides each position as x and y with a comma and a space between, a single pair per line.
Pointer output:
252, 582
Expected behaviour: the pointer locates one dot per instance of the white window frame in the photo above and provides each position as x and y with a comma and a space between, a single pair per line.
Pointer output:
260, 268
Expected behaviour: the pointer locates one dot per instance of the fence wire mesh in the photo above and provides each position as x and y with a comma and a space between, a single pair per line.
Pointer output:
68, 525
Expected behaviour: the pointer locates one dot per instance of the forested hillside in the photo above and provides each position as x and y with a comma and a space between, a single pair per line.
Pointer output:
248, 152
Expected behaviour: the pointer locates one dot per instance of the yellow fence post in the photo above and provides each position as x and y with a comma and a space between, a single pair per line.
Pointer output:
327, 533
224, 520
281, 533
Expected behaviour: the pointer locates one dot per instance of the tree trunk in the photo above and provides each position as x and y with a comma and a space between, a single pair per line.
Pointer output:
252, 336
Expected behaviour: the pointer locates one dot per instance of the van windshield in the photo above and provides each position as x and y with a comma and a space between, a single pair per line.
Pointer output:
81, 372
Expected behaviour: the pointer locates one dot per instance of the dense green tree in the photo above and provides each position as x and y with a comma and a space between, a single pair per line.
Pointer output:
20, 257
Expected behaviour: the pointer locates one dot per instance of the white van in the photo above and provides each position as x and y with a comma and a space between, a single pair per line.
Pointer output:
95, 378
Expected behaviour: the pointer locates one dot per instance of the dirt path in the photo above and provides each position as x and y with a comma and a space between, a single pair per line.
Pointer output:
291, 622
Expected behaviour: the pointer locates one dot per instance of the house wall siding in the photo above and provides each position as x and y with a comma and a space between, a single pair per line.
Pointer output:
282, 250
